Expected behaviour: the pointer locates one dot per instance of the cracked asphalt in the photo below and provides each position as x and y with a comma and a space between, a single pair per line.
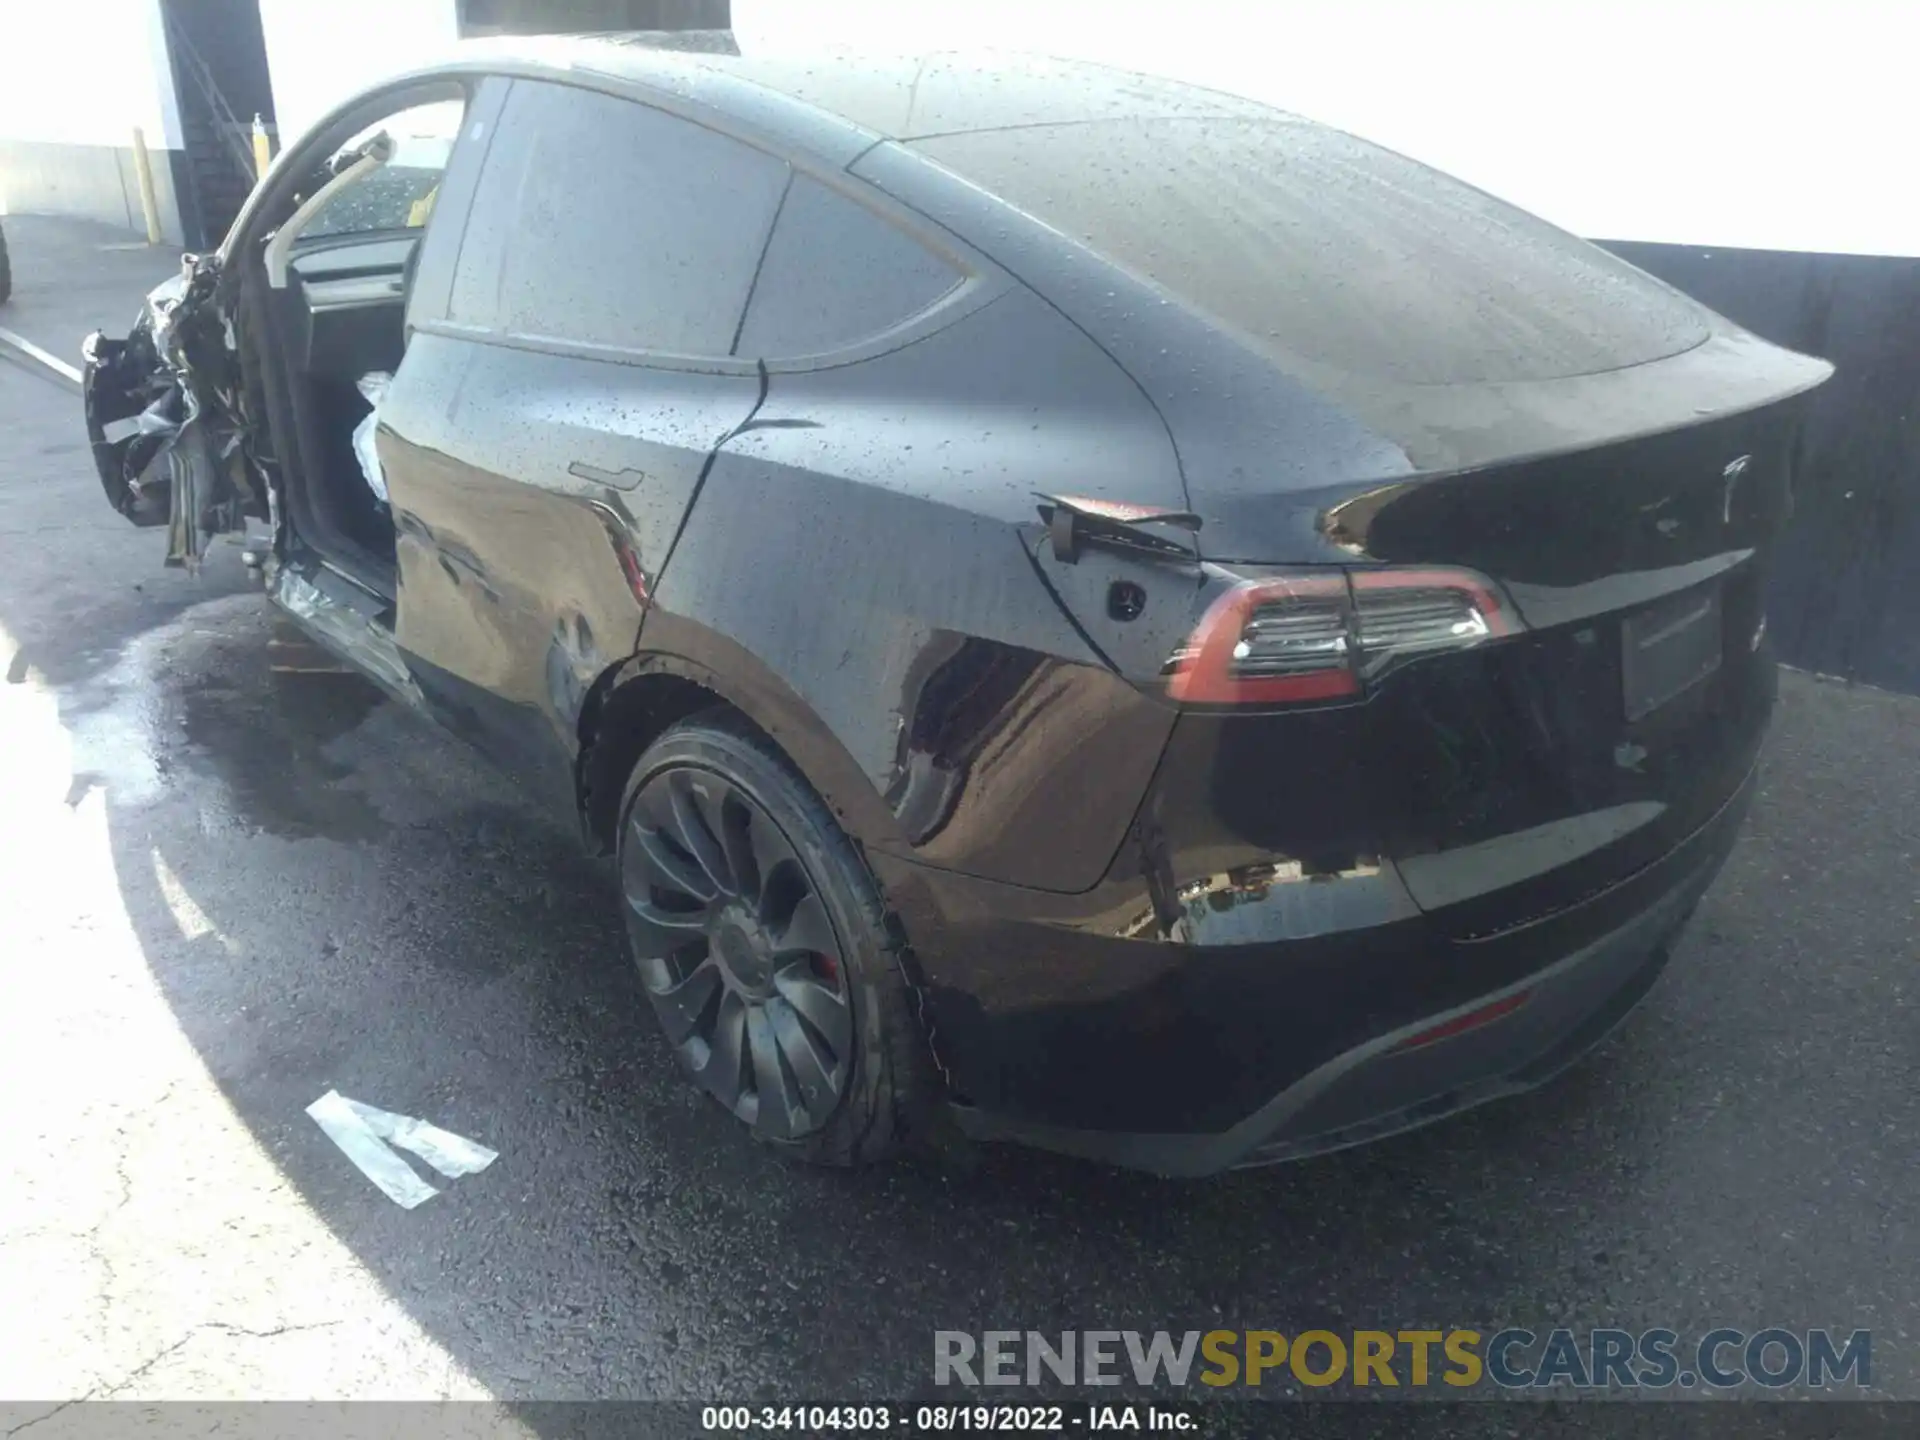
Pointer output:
229, 889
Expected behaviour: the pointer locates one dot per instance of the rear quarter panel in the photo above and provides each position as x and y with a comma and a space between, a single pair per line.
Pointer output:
866, 540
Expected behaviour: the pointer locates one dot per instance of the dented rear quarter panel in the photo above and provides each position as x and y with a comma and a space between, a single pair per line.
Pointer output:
869, 541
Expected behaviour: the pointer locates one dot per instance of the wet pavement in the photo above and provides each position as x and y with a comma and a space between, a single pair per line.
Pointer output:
229, 890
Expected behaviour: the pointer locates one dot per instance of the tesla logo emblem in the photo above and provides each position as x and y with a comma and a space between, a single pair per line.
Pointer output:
1735, 469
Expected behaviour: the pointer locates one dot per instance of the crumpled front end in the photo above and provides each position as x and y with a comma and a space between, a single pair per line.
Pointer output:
168, 435
135, 406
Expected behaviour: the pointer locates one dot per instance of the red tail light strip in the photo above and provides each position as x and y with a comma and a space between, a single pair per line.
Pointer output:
1317, 632
1205, 671
1472, 1020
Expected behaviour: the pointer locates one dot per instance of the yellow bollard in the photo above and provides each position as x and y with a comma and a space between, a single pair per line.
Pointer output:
262, 149
143, 167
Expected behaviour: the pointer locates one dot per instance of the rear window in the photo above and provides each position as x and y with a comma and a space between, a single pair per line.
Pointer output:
836, 273
1329, 251
605, 222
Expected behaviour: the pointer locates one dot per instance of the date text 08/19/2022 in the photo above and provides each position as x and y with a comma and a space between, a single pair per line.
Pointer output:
939, 1419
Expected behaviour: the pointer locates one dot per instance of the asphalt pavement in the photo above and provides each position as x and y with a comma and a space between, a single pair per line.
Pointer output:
229, 889
71, 276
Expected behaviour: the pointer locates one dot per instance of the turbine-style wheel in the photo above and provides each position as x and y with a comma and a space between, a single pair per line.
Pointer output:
760, 942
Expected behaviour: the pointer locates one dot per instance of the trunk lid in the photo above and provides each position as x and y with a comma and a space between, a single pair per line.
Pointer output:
1524, 776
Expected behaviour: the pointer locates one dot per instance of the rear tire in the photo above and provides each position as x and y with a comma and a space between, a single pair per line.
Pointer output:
6, 270
766, 948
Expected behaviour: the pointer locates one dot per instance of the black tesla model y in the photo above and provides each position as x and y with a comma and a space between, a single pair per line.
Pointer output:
1083, 605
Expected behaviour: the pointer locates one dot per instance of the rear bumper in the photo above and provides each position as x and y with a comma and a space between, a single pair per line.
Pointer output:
1566, 979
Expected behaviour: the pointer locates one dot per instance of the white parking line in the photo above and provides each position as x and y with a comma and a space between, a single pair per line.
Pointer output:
34, 353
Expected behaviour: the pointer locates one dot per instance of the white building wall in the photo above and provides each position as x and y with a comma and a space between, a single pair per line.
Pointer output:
1775, 124
319, 52
1772, 124
76, 78
85, 72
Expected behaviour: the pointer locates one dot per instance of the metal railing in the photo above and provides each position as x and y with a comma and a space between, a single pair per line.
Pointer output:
228, 127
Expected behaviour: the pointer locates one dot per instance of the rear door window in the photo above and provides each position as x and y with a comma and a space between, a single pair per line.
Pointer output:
601, 221
836, 273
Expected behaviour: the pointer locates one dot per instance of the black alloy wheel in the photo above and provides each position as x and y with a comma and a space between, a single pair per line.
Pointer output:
737, 950
767, 950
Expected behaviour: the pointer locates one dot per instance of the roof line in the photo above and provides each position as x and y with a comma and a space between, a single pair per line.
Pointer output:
1279, 116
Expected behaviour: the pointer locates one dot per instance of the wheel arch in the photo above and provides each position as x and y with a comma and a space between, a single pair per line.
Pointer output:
632, 703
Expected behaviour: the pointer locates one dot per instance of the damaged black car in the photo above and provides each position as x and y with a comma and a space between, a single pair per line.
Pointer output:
1083, 609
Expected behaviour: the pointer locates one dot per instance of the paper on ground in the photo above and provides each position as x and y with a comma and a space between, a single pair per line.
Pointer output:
366, 1134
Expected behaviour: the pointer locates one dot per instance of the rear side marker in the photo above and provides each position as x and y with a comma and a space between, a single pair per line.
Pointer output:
1461, 1024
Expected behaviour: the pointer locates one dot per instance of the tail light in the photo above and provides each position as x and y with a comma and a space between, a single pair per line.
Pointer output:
1325, 634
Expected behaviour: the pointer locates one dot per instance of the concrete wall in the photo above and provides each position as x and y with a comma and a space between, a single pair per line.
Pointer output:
556, 17
76, 78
